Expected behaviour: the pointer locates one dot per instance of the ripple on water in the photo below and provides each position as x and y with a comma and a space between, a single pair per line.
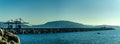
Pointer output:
105, 37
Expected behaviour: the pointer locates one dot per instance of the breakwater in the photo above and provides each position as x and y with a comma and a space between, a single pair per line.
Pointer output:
52, 30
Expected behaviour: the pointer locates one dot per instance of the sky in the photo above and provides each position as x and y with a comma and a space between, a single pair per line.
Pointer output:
91, 12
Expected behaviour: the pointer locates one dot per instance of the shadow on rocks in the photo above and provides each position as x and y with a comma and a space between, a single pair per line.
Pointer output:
8, 38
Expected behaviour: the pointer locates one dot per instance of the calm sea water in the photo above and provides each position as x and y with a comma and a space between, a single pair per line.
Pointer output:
105, 37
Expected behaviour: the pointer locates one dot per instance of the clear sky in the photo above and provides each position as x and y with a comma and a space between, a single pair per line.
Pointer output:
92, 12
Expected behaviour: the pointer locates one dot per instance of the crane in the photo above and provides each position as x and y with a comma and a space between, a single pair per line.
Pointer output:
17, 23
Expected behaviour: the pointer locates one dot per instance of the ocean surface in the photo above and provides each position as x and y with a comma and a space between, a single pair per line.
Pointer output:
91, 37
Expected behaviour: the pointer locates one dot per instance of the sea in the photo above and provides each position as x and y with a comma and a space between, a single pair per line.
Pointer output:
90, 37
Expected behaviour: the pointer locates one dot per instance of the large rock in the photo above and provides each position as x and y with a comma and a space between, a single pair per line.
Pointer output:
8, 38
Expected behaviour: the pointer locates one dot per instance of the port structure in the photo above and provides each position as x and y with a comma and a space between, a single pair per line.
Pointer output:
15, 24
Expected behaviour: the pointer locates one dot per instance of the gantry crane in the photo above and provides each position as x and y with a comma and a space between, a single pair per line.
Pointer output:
17, 23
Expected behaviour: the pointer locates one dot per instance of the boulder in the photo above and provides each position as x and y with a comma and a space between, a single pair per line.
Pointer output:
8, 38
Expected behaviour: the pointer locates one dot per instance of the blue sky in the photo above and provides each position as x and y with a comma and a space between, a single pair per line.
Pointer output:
92, 12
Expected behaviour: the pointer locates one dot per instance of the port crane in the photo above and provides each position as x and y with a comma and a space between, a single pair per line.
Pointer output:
17, 23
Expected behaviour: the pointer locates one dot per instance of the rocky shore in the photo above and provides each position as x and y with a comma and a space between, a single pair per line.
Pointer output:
8, 38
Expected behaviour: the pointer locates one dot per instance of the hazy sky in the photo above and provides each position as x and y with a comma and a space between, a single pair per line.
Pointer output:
92, 12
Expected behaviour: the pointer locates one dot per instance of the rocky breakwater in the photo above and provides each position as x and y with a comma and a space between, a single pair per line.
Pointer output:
8, 38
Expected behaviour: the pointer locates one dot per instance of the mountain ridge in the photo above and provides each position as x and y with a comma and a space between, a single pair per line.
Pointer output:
63, 24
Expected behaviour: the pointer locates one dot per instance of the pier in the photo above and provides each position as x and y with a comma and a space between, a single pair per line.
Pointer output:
52, 30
